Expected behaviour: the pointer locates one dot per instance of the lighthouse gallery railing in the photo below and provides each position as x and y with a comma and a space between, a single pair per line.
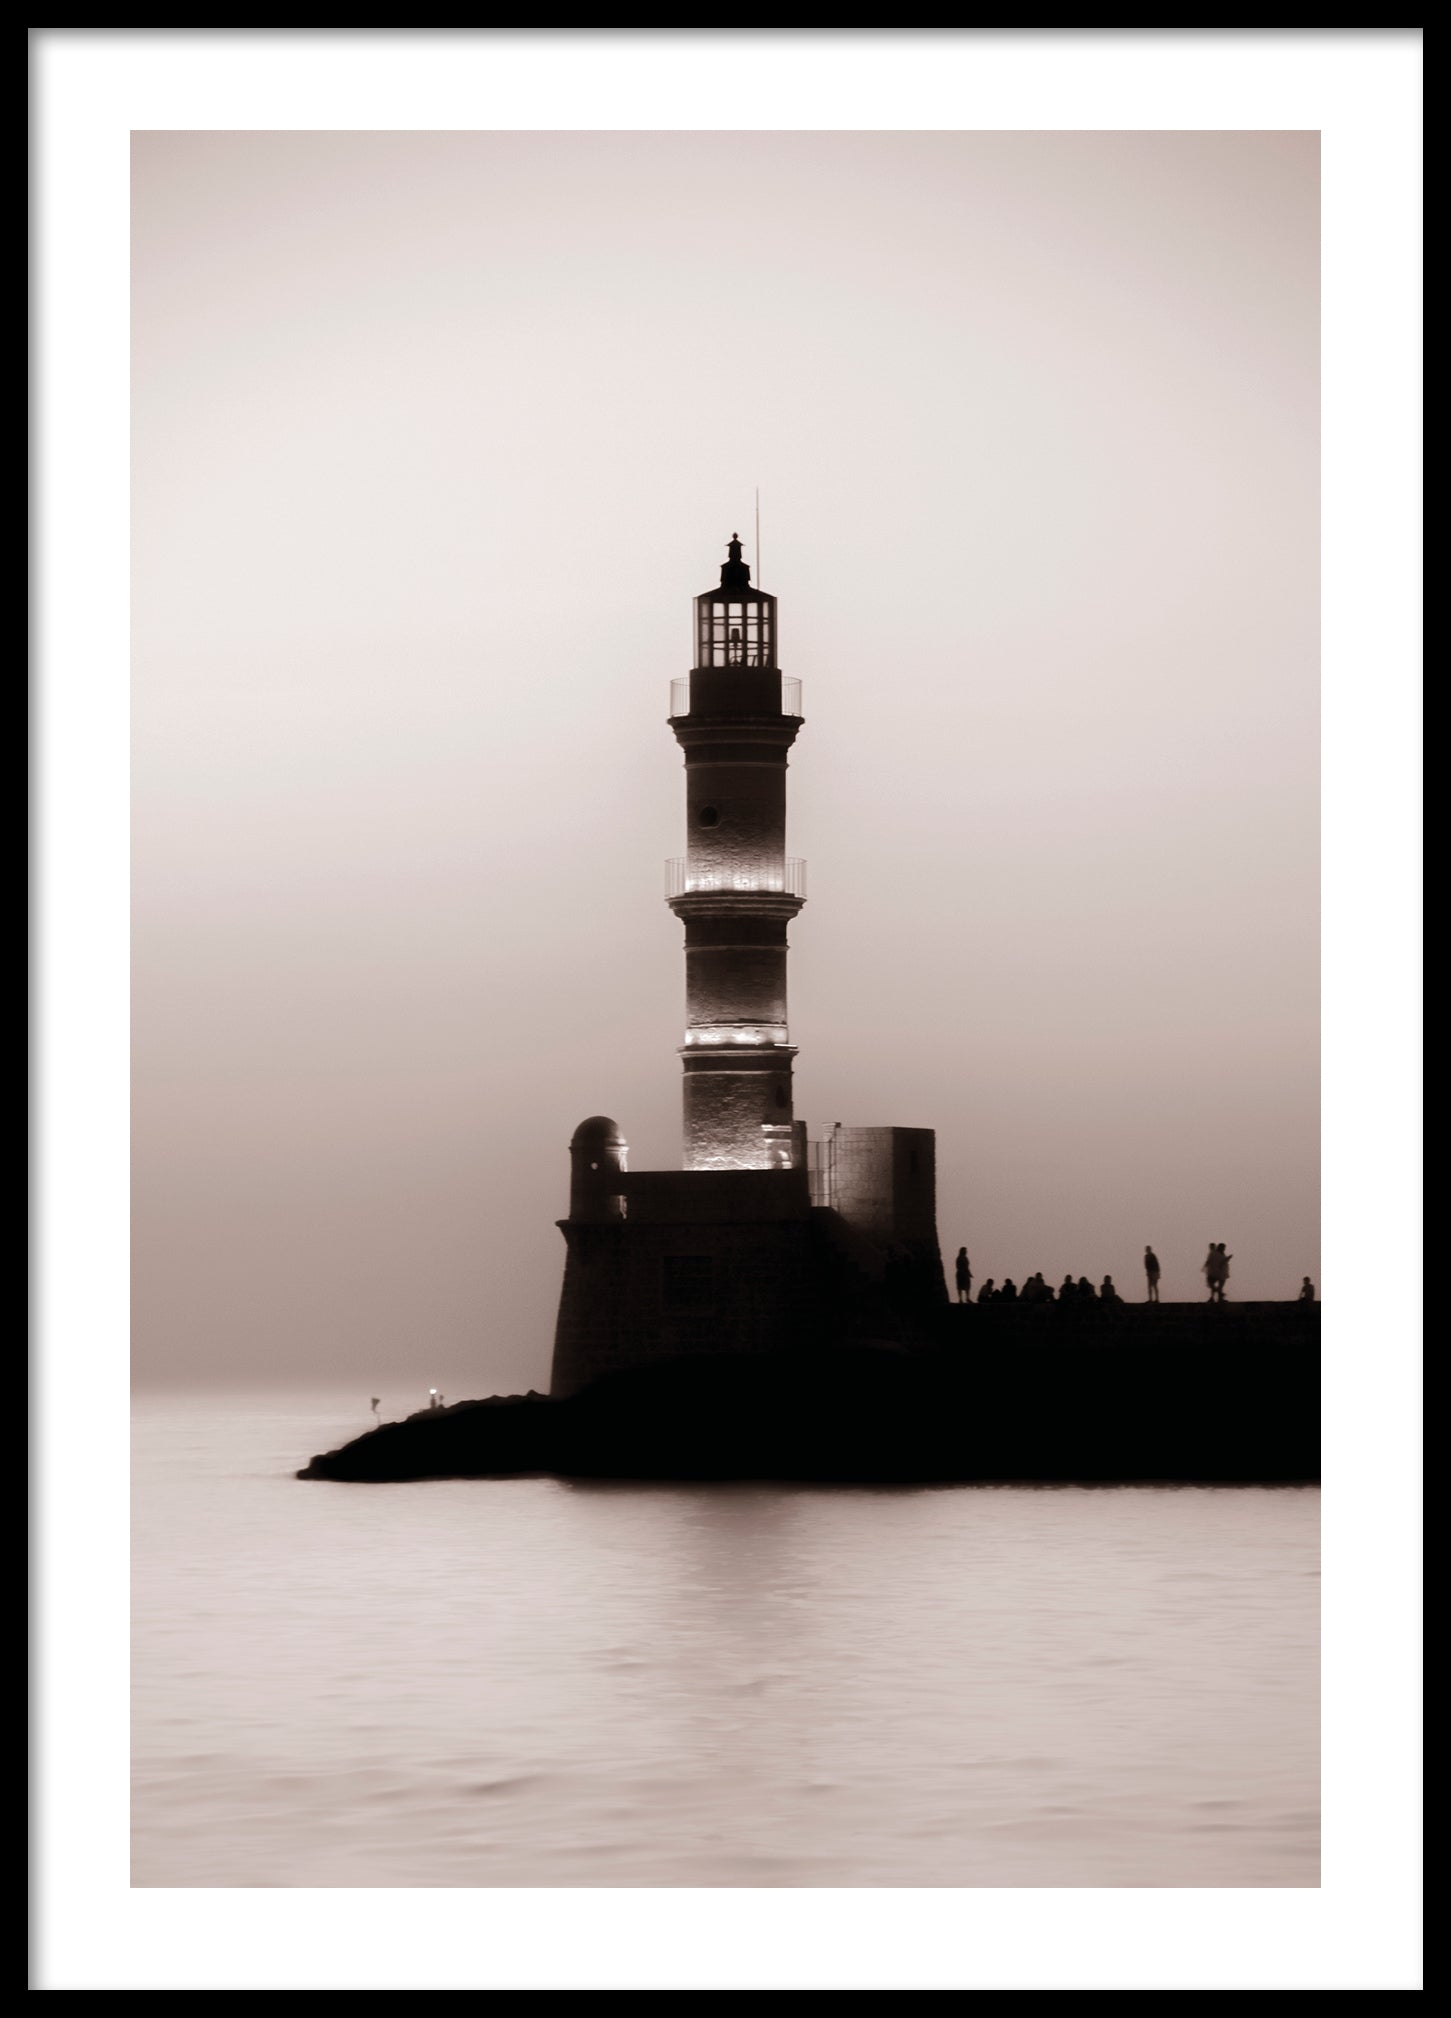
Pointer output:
788, 876
680, 696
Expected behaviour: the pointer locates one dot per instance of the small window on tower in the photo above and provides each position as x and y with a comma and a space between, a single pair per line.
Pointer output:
708, 816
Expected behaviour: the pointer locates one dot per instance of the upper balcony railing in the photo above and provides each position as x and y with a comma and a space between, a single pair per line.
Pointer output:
680, 696
787, 877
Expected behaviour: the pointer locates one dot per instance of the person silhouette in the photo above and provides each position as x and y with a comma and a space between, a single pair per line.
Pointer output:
1151, 1274
1216, 1270
1009, 1291
1307, 1290
964, 1276
987, 1294
1085, 1290
1107, 1292
373, 1404
1067, 1290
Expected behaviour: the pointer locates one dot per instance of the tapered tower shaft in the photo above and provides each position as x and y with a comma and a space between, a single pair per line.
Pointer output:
735, 890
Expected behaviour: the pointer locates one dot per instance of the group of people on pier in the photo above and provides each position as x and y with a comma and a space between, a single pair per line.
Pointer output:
1035, 1290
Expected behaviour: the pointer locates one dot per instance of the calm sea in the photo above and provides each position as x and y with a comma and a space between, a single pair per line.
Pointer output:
532, 1683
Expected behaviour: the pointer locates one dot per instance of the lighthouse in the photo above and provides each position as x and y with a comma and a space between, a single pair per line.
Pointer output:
735, 889
763, 1243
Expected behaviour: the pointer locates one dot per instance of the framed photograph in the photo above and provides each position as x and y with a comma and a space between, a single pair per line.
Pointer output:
776, 1412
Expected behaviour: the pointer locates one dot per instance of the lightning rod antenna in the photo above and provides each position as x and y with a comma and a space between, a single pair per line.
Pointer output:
758, 536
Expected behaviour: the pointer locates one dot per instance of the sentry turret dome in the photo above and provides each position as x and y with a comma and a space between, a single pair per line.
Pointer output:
599, 1132
597, 1158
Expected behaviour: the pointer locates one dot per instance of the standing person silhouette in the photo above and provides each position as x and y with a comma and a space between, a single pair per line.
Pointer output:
964, 1276
1151, 1274
1216, 1270
373, 1404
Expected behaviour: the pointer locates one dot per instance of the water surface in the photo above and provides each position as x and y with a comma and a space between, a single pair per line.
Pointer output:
527, 1682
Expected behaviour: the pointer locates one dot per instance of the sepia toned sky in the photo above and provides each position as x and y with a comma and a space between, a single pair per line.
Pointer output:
436, 436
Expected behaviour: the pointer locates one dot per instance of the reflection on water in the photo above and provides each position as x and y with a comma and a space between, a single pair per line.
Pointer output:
535, 1683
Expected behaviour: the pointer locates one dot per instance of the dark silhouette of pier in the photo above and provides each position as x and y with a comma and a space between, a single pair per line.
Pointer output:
1044, 1393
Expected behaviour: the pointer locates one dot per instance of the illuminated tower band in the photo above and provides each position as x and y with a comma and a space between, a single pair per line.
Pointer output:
736, 890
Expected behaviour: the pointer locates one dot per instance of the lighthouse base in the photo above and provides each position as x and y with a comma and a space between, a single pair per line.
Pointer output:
736, 1263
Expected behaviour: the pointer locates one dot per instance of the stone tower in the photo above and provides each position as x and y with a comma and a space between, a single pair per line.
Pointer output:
735, 890
761, 1244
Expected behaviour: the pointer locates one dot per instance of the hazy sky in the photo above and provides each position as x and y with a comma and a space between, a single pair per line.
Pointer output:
436, 436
